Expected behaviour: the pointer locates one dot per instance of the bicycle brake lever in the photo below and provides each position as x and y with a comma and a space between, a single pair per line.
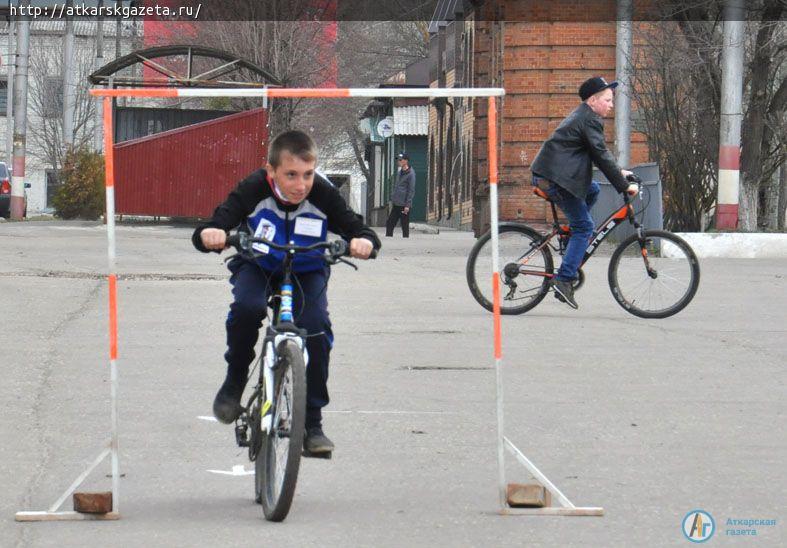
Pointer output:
228, 259
345, 261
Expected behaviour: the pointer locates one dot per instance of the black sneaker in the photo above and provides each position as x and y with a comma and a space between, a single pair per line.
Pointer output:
564, 292
316, 441
226, 406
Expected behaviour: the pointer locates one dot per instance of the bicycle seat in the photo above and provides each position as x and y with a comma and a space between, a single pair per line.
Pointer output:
541, 194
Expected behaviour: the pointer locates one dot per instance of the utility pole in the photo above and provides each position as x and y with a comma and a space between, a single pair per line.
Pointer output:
99, 130
68, 83
20, 119
118, 29
623, 95
731, 115
9, 95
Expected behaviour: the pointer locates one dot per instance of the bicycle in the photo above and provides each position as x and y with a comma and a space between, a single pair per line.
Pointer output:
272, 424
652, 273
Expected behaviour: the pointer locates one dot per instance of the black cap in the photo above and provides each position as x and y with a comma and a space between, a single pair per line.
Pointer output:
591, 86
402, 156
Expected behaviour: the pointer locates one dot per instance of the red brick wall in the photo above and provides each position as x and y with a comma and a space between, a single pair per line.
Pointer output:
548, 50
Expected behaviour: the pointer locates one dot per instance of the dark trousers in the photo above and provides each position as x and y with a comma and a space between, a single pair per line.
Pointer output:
251, 287
393, 218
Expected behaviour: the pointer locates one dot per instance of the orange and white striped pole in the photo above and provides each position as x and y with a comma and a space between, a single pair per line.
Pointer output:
492, 161
317, 93
109, 173
266, 92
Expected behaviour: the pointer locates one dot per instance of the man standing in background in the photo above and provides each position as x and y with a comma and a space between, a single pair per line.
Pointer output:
401, 197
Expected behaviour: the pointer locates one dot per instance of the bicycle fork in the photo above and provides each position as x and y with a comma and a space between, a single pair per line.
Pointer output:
270, 364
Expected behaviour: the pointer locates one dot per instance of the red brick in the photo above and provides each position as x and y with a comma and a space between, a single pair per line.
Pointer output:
526, 106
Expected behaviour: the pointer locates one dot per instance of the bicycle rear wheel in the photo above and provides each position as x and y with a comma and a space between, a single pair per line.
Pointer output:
279, 458
525, 269
656, 278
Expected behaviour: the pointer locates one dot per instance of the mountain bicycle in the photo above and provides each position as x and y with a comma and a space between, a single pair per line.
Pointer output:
272, 424
652, 273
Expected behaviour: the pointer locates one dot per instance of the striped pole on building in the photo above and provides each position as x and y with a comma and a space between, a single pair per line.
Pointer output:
731, 116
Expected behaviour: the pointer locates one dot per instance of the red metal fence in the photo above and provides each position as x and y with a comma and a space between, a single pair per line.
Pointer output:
187, 172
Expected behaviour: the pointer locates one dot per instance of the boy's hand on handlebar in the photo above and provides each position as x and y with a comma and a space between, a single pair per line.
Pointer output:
360, 248
214, 239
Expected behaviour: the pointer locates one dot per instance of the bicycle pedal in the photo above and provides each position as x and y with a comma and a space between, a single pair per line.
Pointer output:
326, 455
559, 297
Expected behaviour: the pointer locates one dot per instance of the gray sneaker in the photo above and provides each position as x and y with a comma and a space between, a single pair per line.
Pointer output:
316, 441
564, 292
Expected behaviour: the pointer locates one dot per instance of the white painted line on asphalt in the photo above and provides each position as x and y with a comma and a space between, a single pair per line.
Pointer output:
207, 418
237, 470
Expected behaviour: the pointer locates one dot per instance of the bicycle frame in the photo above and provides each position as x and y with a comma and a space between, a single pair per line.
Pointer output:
281, 329
625, 213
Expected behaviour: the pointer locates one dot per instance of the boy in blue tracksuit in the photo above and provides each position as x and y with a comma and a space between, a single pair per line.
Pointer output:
286, 201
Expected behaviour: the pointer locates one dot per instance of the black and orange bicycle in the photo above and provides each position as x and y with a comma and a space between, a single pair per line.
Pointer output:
652, 273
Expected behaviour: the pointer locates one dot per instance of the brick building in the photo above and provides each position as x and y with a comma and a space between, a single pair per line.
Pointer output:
539, 52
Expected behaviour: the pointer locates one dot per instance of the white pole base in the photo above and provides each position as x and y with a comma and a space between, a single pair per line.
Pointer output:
554, 511
64, 516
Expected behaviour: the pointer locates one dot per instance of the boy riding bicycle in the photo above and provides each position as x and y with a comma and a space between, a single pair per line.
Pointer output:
286, 201
562, 169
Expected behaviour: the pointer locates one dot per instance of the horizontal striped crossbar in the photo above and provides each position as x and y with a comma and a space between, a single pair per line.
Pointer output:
318, 93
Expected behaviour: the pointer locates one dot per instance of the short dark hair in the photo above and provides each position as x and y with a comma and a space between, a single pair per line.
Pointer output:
295, 142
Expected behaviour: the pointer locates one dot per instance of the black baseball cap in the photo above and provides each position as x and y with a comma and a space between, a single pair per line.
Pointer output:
591, 86
402, 156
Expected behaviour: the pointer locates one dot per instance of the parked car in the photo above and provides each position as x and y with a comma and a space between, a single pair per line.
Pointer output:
5, 192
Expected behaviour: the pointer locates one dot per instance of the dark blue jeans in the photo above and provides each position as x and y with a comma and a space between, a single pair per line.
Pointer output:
577, 211
251, 287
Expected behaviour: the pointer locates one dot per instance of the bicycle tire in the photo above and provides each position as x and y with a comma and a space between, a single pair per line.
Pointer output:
276, 486
677, 258
478, 271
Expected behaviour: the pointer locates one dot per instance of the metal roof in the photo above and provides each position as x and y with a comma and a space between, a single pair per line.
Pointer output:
411, 120
81, 27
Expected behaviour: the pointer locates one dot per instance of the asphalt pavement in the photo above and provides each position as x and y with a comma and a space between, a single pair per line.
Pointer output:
648, 418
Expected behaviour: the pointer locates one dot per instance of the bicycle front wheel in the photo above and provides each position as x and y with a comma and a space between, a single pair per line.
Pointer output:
525, 269
279, 458
656, 277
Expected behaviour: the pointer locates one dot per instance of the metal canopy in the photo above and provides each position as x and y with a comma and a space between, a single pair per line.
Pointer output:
174, 78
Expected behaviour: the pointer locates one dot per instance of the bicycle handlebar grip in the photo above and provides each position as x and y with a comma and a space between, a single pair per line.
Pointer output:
373, 254
338, 248
233, 240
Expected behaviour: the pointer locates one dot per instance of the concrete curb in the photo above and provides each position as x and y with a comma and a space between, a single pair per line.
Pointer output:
737, 245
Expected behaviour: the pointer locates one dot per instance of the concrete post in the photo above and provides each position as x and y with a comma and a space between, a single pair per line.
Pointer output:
623, 52
98, 134
68, 83
20, 120
9, 102
731, 115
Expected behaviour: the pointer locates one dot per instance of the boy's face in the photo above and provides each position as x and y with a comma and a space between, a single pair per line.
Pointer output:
293, 176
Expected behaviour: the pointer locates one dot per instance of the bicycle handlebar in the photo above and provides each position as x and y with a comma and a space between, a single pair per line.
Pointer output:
634, 179
336, 248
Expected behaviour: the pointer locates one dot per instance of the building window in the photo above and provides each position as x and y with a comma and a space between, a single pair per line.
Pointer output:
52, 98
3, 95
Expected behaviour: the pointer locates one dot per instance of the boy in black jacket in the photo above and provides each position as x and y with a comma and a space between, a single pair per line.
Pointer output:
286, 201
563, 169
